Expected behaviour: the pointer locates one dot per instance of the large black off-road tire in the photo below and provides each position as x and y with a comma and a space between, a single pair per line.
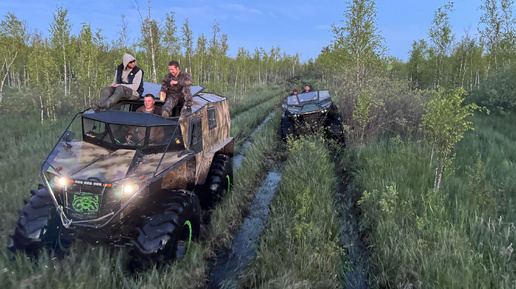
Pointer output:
38, 225
286, 128
160, 237
334, 127
218, 182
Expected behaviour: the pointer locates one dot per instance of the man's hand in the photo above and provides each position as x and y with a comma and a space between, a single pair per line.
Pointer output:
173, 82
115, 85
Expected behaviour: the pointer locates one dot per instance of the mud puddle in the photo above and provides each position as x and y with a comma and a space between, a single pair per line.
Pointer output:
237, 160
229, 263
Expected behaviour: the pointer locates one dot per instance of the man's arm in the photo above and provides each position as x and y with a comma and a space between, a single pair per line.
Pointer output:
185, 80
114, 80
165, 83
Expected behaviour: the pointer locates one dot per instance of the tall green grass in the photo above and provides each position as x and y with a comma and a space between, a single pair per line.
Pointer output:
245, 123
299, 247
25, 145
458, 237
238, 105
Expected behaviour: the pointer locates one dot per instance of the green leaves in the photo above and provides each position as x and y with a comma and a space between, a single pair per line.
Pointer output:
362, 114
445, 122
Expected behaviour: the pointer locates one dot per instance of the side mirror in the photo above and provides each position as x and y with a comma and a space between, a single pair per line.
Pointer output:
68, 136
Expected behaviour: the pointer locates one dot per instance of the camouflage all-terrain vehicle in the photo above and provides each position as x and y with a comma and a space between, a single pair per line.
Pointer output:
308, 112
134, 179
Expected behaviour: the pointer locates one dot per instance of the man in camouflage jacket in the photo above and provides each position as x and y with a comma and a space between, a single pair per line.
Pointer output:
176, 86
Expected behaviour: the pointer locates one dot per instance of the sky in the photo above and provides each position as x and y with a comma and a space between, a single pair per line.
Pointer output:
298, 26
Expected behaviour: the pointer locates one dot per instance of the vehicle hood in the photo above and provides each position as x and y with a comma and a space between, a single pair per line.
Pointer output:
82, 160
107, 168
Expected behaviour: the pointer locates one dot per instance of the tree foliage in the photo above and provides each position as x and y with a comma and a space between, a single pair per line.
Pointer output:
445, 123
358, 42
12, 41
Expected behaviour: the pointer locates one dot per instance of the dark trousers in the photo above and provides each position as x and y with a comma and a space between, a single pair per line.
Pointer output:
111, 95
177, 99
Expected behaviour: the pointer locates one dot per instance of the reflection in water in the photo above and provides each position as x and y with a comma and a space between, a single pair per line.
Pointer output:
231, 262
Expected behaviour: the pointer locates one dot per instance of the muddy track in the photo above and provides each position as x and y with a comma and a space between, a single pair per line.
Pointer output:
229, 263
349, 216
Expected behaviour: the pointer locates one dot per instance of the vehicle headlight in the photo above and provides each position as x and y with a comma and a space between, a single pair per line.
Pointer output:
130, 189
61, 181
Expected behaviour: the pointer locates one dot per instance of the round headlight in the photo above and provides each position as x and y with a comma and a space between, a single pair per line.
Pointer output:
130, 188
61, 181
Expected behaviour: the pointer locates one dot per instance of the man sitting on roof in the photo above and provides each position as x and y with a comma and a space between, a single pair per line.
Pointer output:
127, 84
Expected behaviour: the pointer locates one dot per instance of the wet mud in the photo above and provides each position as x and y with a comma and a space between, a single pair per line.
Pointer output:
230, 263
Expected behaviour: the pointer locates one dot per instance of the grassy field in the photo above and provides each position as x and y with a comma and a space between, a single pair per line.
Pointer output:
459, 237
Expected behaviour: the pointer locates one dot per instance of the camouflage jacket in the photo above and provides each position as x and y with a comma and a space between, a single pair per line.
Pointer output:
178, 91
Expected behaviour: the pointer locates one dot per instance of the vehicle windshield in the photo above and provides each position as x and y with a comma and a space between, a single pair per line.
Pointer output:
299, 99
304, 97
129, 135
292, 100
324, 94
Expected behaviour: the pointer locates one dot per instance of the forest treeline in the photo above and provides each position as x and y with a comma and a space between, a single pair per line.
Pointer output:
73, 68
66, 68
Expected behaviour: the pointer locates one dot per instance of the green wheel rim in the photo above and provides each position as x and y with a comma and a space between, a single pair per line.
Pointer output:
189, 233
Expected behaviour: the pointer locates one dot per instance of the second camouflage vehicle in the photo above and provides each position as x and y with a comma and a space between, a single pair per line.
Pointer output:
309, 111
144, 191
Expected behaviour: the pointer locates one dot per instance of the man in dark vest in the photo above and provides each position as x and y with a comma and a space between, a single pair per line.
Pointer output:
128, 84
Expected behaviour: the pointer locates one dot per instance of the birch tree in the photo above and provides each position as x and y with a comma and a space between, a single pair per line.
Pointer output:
445, 123
12, 40
170, 38
88, 64
187, 44
359, 40
60, 39
441, 40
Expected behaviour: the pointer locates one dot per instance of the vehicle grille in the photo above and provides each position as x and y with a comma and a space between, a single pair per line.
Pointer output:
83, 202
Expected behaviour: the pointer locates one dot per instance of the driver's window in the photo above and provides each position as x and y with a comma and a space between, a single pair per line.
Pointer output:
128, 135
293, 99
96, 130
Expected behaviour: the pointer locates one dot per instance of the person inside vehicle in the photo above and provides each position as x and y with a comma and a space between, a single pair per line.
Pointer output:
156, 133
149, 105
127, 84
307, 89
176, 87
